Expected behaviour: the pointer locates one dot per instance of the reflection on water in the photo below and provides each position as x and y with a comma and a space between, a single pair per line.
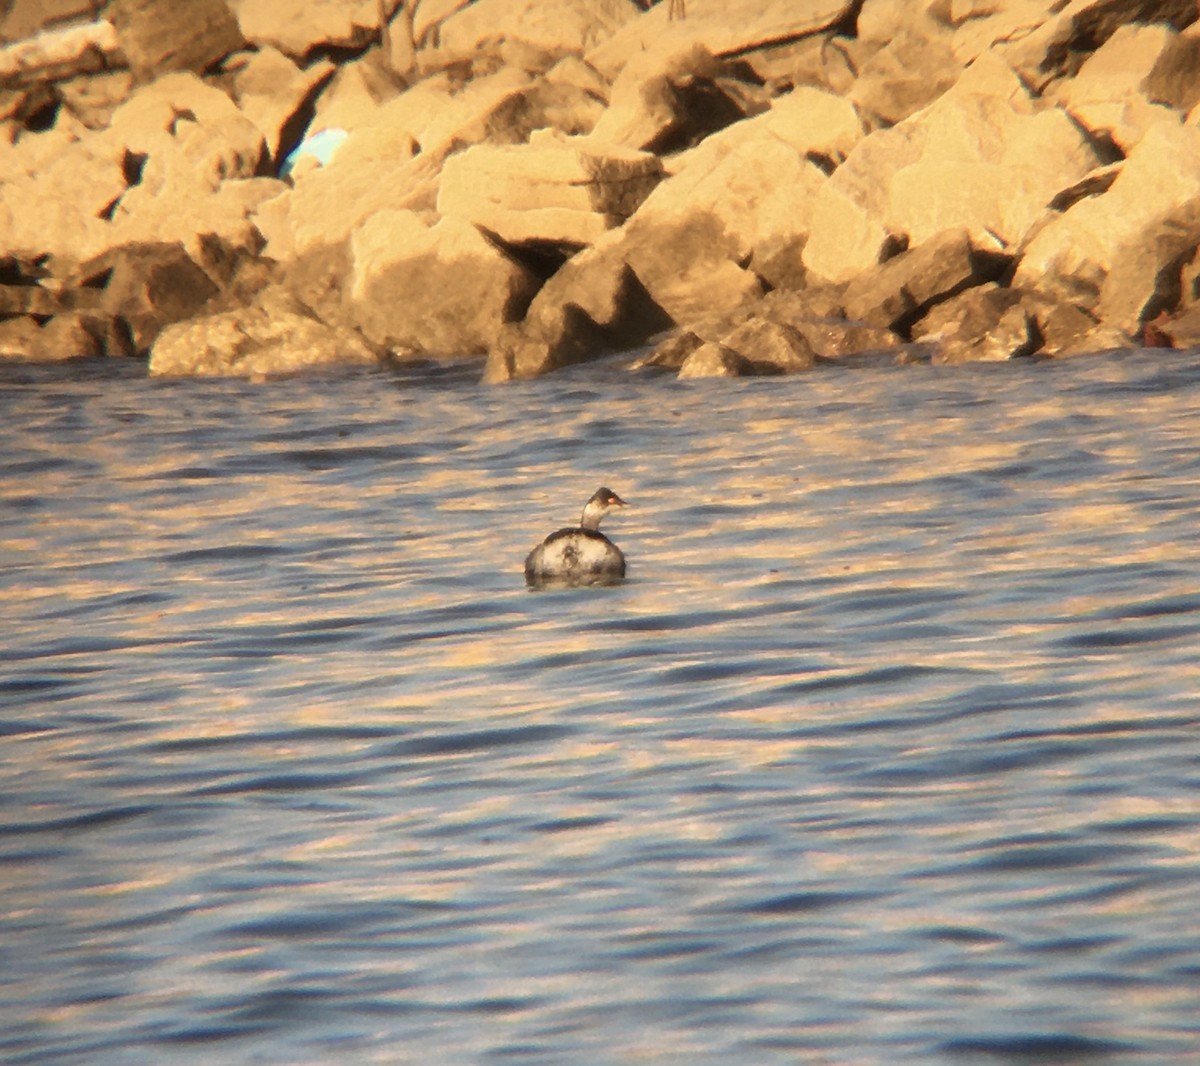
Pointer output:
887, 750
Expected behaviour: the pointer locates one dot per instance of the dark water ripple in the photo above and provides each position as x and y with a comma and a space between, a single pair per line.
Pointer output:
888, 751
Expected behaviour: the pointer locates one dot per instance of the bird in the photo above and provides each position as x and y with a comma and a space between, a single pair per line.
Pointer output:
579, 555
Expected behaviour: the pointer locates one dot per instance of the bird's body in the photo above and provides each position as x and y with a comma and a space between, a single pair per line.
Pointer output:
579, 555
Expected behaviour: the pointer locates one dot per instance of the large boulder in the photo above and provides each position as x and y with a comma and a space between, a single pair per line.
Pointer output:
723, 27
554, 190
984, 157
1111, 94
664, 101
443, 290
276, 94
1119, 254
902, 290
912, 69
26, 339
563, 26
275, 336
986, 323
1048, 41
145, 287
177, 163
298, 27
162, 35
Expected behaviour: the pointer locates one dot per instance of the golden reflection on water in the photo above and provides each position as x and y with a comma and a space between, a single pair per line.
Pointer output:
888, 646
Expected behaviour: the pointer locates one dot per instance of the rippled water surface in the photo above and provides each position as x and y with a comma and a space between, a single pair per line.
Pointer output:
888, 751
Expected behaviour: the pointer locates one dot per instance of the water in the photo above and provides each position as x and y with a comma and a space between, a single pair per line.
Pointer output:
887, 752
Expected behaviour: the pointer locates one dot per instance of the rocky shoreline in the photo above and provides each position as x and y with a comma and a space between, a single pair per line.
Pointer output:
258, 187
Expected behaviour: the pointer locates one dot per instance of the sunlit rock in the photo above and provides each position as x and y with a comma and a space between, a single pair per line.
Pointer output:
1047, 41
70, 335
274, 336
723, 27
912, 69
554, 189
897, 293
443, 289
162, 35
564, 25
593, 304
663, 101
983, 324
1119, 254
273, 93
713, 360
986, 161
1110, 95
297, 27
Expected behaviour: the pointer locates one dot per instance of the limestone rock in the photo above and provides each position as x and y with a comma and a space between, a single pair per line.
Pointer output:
162, 35
804, 327
93, 98
684, 268
1044, 41
65, 336
770, 347
442, 290
723, 27
564, 26
274, 336
899, 292
1061, 326
1110, 94
912, 70
147, 287
712, 360
60, 53
982, 157
297, 27
594, 303
24, 18
1184, 329
664, 101
1143, 228
273, 93
822, 61
554, 189
983, 324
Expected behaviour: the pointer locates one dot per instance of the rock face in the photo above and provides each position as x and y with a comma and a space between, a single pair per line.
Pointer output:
162, 35
758, 188
275, 336
442, 289
553, 189
1119, 254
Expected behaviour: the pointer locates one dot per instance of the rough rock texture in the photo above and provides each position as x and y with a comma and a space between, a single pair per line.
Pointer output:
273, 93
723, 27
1110, 95
161, 35
297, 27
561, 26
553, 189
770, 184
665, 102
146, 287
1119, 254
985, 161
442, 289
904, 288
274, 336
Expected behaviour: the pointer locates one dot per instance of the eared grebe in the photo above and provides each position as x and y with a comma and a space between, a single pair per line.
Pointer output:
582, 555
